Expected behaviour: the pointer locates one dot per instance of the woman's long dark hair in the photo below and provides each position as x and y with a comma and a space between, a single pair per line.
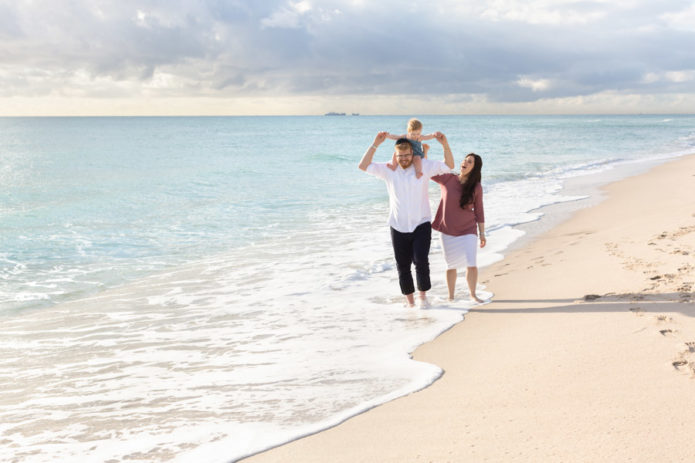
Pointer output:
468, 187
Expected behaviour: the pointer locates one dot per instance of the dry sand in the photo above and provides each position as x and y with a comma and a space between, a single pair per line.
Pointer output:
587, 353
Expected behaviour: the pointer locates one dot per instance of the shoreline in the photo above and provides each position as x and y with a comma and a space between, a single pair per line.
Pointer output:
509, 367
590, 190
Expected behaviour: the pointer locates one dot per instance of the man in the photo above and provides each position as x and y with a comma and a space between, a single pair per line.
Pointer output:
409, 211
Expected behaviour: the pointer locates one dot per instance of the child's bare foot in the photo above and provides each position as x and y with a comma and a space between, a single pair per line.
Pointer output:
418, 174
392, 167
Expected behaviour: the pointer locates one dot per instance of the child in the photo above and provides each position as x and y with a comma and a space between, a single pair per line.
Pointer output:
415, 136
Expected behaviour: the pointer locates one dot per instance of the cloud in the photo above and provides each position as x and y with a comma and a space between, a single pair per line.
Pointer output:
498, 51
567, 12
288, 16
683, 19
536, 85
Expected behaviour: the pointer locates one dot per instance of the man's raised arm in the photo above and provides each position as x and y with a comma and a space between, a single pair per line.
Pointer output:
448, 157
369, 154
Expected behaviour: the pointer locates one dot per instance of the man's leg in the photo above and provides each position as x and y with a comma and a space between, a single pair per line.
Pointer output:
421, 250
403, 252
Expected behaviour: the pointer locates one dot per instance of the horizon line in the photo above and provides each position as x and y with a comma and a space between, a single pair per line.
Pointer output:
4, 116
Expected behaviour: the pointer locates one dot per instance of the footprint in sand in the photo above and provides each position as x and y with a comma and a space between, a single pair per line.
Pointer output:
679, 363
665, 332
637, 311
691, 346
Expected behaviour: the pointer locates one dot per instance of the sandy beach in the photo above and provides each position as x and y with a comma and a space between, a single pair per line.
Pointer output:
587, 352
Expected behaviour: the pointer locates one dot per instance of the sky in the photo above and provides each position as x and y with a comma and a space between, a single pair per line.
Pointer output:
285, 57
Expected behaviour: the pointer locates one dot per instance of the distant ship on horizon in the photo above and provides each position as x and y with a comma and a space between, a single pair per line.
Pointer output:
340, 114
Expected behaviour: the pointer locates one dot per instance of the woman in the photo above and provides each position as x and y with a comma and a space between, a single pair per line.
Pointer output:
460, 209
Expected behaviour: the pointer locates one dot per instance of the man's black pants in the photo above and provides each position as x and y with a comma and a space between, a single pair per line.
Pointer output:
412, 248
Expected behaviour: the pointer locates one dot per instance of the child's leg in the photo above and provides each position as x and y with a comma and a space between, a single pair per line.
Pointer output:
393, 165
425, 149
417, 162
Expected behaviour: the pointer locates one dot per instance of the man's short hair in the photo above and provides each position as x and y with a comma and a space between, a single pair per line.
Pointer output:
402, 144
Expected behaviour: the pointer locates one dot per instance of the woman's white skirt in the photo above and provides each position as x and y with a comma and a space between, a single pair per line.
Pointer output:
460, 251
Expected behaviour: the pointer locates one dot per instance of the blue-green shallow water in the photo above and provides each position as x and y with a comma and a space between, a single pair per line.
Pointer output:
109, 199
230, 278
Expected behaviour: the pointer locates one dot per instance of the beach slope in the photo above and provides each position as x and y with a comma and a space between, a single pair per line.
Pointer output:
586, 354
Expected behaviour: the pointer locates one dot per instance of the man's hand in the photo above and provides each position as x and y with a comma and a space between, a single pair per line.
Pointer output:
448, 156
441, 138
380, 137
369, 154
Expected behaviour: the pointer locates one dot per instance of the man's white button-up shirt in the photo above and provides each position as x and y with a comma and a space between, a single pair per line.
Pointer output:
409, 204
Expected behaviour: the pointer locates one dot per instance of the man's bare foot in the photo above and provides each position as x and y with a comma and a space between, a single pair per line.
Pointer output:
476, 298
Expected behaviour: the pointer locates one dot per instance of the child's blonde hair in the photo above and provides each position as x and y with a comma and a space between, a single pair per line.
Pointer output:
414, 124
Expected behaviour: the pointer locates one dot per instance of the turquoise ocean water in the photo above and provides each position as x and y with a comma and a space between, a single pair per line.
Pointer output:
187, 288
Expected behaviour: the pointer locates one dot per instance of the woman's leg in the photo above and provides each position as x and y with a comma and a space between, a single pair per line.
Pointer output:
472, 278
451, 282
